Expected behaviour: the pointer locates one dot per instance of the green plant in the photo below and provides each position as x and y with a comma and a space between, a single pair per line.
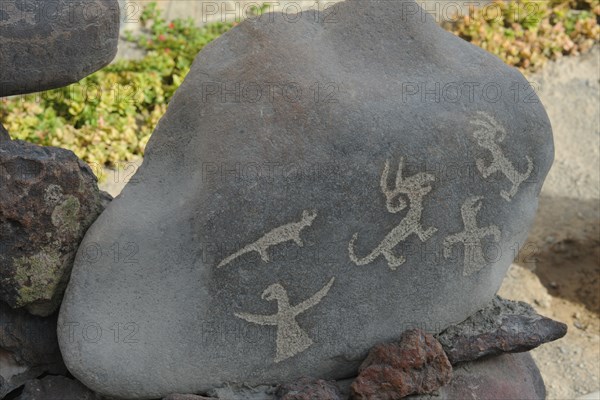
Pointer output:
108, 117
528, 33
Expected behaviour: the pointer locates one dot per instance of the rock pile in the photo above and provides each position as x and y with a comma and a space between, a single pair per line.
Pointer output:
48, 197
339, 220
487, 352
282, 233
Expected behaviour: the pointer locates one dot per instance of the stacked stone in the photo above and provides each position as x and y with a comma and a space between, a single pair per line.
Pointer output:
297, 225
483, 357
318, 186
48, 197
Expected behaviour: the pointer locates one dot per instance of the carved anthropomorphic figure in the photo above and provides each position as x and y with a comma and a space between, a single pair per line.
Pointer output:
291, 339
471, 237
415, 188
488, 135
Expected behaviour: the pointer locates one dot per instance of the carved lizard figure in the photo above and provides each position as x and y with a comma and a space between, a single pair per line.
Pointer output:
281, 234
415, 188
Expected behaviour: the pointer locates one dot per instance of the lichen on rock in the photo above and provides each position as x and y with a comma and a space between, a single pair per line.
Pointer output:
48, 199
64, 216
38, 276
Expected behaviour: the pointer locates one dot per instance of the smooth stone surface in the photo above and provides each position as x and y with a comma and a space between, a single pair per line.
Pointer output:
504, 326
509, 376
246, 210
48, 199
28, 348
49, 44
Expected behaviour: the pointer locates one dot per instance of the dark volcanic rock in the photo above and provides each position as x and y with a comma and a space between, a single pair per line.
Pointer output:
4, 136
56, 388
309, 389
31, 339
105, 198
49, 44
508, 376
48, 199
186, 397
303, 199
28, 348
504, 326
416, 364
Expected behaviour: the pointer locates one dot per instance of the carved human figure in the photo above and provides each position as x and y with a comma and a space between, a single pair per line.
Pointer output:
276, 236
471, 237
489, 134
415, 188
291, 338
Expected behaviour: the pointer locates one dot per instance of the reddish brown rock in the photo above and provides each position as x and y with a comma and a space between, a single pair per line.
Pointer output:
309, 389
503, 327
508, 376
416, 364
48, 199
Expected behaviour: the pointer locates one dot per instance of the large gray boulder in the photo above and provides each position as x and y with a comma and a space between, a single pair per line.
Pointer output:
49, 44
271, 237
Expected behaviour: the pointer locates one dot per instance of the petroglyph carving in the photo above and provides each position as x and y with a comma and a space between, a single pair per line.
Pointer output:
488, 135
291, 339
276, 236
471, 237
415, 188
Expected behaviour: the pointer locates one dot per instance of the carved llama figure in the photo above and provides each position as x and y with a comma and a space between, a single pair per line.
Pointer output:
415, 188
488, 135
